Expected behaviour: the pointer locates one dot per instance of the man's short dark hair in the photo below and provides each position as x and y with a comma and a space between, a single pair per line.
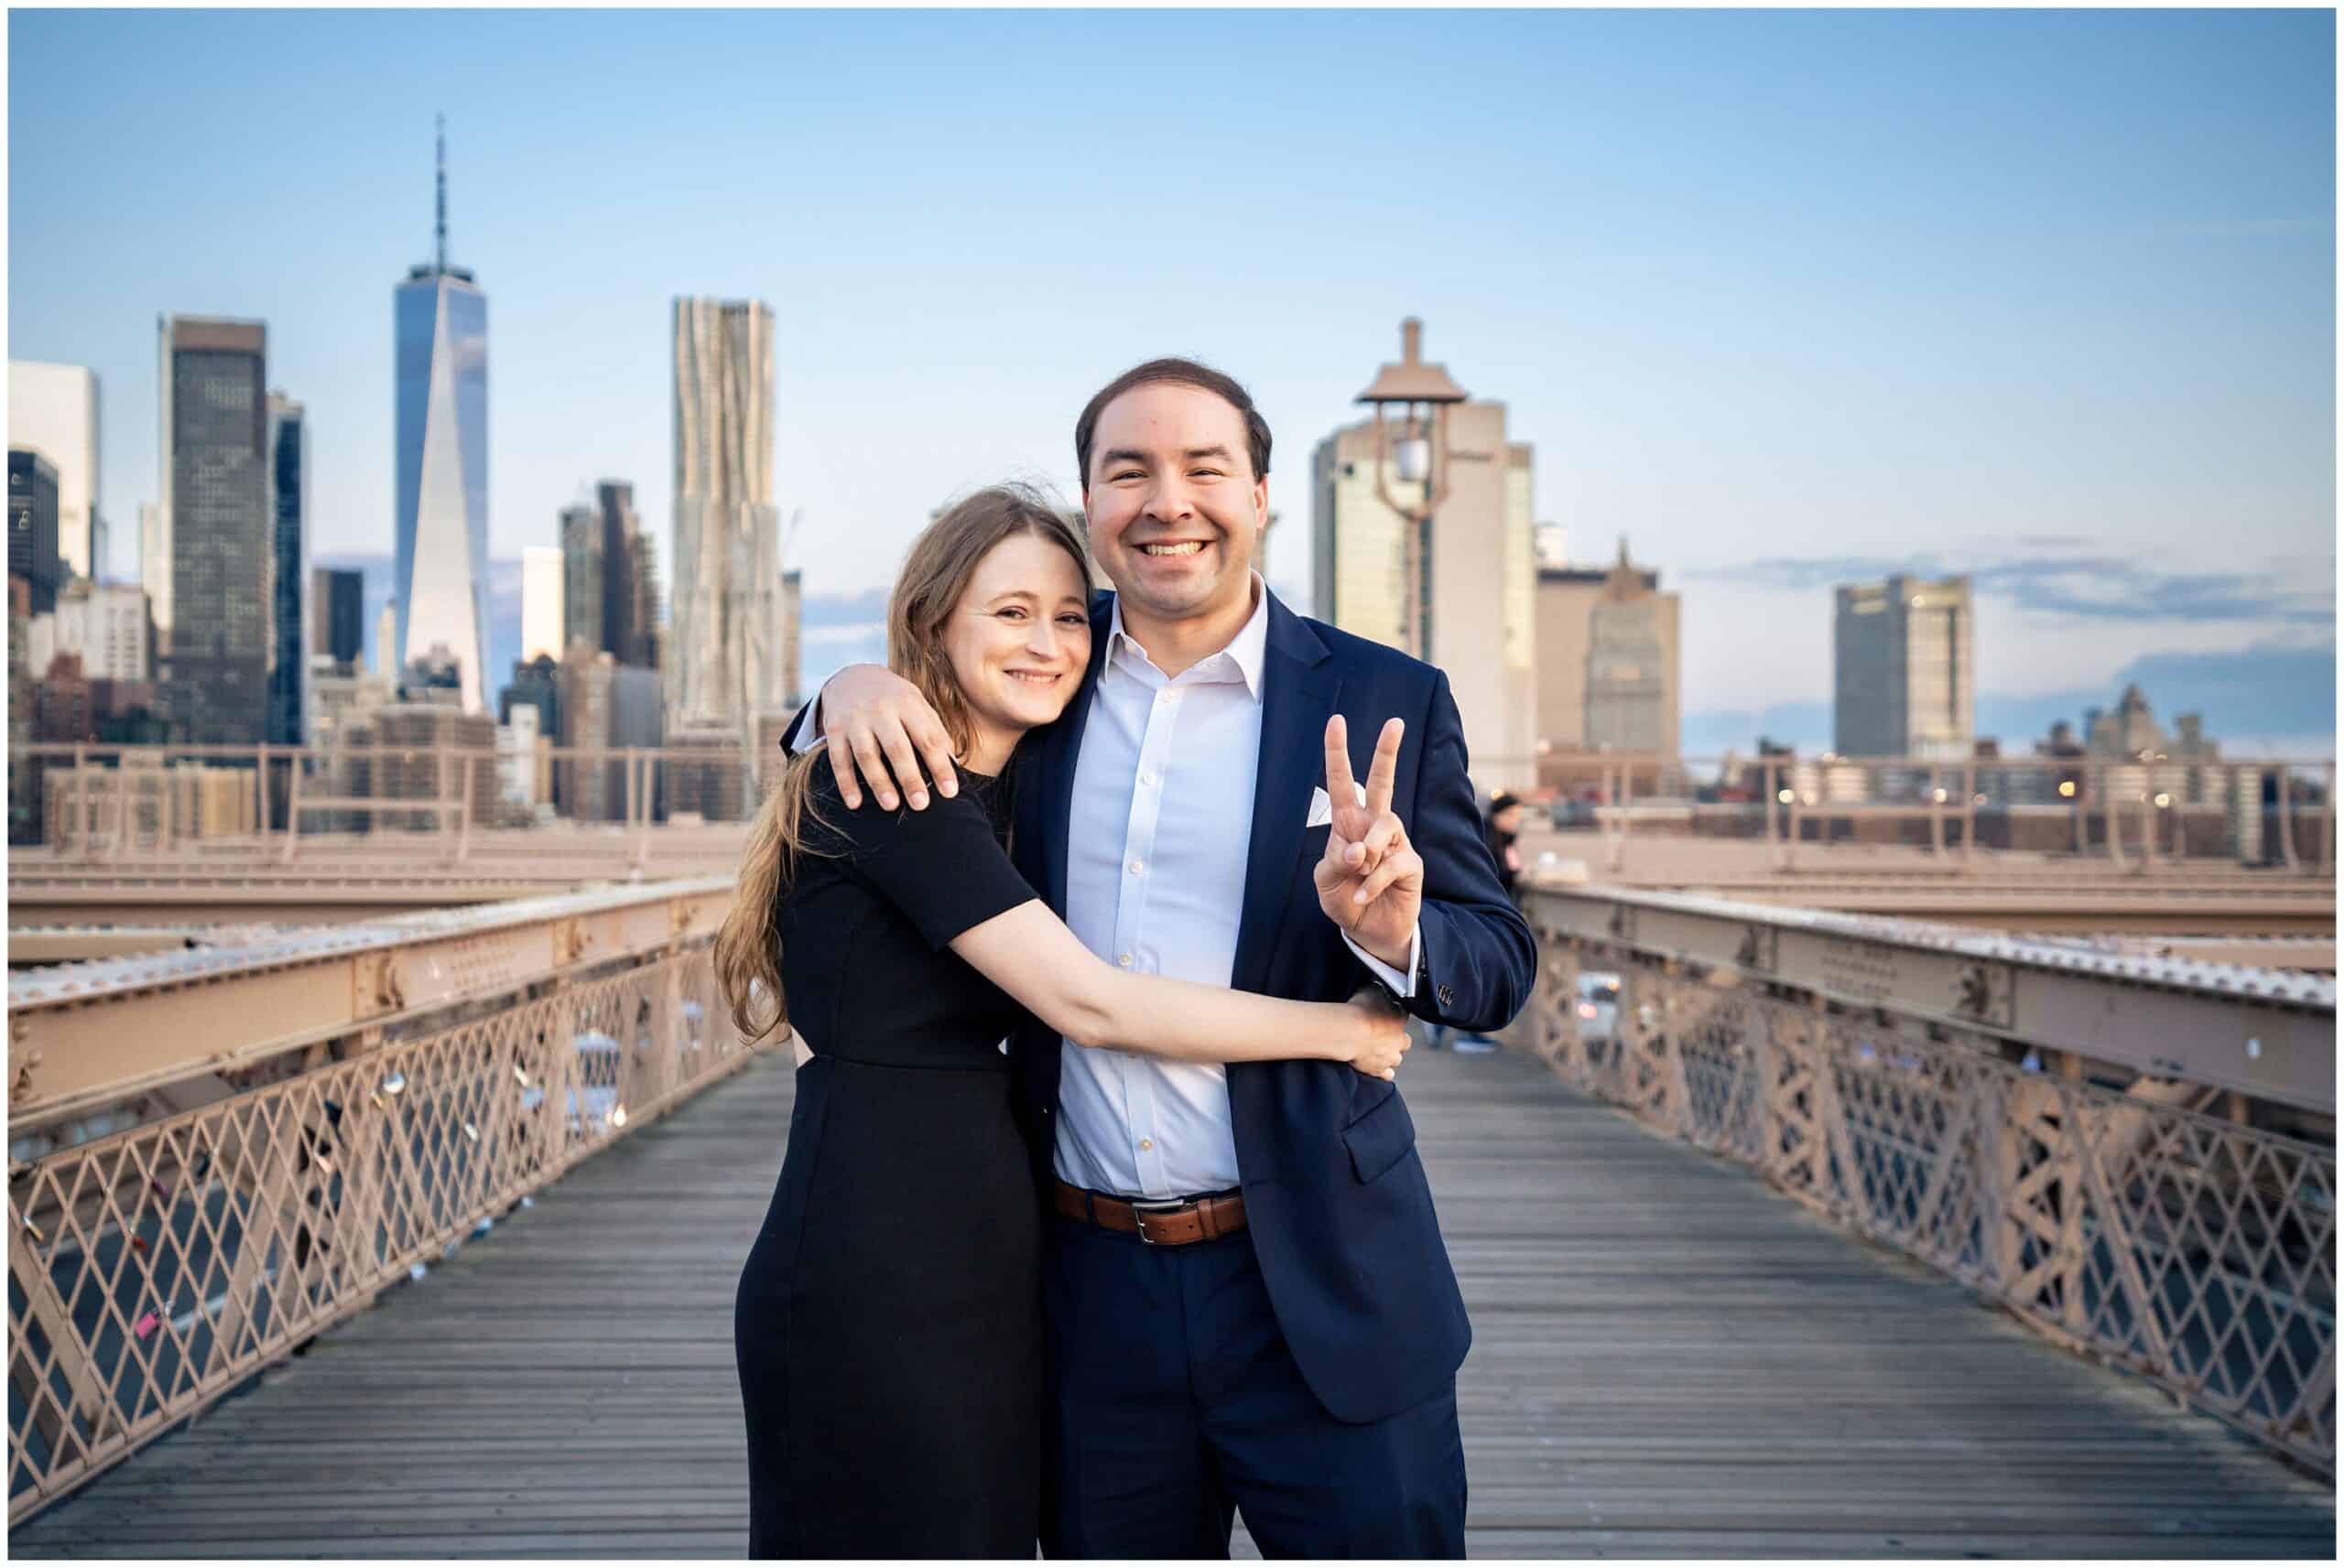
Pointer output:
1186, 373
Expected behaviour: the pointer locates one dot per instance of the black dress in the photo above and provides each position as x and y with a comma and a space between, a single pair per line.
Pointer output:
888, 1323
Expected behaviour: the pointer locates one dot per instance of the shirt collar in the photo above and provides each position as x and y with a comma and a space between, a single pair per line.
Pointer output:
1247, 650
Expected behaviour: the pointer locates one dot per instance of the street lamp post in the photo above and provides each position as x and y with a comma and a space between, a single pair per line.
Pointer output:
1423, 393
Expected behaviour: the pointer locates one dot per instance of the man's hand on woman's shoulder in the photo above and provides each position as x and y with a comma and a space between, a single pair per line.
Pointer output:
880, 732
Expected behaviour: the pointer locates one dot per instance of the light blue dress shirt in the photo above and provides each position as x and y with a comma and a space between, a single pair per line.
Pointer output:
1159, 826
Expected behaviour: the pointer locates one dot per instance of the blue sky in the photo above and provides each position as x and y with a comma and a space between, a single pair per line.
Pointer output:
2038, 295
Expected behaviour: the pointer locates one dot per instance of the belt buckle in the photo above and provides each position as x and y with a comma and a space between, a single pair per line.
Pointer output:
1160, 1206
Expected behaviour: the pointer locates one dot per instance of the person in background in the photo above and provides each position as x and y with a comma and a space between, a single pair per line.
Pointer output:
1502, 829
1499, 830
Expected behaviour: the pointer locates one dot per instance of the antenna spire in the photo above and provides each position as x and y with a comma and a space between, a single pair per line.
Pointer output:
441, 230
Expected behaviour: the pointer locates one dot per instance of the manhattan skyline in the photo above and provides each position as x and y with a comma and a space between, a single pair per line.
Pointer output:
1789, 300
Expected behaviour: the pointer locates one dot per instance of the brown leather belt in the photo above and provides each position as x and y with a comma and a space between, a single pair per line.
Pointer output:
1159, 1225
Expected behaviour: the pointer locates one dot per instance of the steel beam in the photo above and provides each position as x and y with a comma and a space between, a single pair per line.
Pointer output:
2264, 1032
84, 1035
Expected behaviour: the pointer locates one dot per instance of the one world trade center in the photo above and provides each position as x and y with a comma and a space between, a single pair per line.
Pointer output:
440, 464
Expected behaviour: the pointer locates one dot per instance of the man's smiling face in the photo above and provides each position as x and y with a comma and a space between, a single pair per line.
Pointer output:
1173, 505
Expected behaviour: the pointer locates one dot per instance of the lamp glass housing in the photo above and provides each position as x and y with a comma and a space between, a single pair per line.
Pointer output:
1412, 457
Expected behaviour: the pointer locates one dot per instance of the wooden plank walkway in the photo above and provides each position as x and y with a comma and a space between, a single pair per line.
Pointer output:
1669, 1360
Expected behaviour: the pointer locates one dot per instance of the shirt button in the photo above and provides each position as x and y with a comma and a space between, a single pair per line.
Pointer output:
1146, 1144
1125, 960
1148, 778
1138, 868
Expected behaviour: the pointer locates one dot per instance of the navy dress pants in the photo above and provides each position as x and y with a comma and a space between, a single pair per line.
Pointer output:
1173, 1401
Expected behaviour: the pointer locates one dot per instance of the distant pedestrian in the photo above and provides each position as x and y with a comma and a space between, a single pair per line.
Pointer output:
1502, 830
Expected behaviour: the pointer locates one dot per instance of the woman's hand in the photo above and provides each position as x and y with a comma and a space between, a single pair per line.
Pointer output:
1383, 1036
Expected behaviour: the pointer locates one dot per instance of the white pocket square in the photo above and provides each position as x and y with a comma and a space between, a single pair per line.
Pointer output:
1322, 809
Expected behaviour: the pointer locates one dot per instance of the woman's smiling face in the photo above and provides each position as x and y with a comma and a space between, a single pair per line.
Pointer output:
1020, 637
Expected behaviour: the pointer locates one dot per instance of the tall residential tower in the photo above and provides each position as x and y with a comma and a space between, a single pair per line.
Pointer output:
439, 324
726, 664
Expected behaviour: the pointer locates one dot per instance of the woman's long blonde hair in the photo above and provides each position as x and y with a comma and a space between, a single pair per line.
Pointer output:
935, 574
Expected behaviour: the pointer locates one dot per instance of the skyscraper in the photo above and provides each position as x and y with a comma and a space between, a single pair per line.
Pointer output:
53, 410
210, 558
288, 466
439, 324
643, 619
626, 636
1571, 645
1631, 666
724, 664
1482, 574
581, 578
541, 602
32, 526
1903, 663
338, 613
793, 618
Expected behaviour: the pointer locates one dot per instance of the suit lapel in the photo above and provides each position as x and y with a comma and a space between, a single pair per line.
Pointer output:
1299, 689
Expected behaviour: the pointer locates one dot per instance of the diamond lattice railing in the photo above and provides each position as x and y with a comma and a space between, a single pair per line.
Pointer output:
154, 1270
2196, 1250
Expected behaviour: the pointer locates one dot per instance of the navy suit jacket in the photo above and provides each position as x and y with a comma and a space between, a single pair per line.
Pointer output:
1336, 1199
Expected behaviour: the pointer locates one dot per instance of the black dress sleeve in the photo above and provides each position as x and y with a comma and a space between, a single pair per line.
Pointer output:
942, 867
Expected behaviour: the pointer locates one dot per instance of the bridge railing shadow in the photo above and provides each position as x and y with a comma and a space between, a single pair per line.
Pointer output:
178, 1232
2135, 1157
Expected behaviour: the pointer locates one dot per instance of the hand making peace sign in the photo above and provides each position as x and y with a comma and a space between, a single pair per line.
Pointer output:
1369, 881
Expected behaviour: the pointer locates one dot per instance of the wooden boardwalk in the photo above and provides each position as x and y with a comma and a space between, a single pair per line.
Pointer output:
1669, 1359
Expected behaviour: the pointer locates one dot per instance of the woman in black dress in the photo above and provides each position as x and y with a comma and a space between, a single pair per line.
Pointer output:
888, 1324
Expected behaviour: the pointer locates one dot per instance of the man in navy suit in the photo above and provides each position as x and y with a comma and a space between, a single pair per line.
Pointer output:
1250, 1305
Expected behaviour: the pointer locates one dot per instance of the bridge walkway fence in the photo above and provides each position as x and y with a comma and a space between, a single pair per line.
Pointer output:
2135, 1156
1668, 1360
217, 1155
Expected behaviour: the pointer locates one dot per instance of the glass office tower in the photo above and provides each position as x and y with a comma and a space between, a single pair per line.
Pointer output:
211, 559
439, 324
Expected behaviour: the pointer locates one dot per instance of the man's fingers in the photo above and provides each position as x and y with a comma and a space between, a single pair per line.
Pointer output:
1396, 866
1384, 767
873, 769
905, 763
1382, 836
936, 747
1339, 851
1342, 792
842, 768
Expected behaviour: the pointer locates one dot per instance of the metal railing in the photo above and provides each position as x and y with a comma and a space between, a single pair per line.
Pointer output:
2136, 1156
96, 804
2132, 813
186, 1214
